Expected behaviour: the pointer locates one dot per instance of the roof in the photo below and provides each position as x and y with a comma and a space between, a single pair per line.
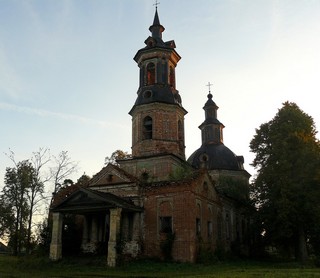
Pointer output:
158, 95
124, 176
215, 157
87, 200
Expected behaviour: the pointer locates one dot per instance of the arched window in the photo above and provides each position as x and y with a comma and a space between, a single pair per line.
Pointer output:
172, 77
151, 74
147, 128
180, 131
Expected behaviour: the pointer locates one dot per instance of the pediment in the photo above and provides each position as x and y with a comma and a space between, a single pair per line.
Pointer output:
206, 186
87, 200
111, 174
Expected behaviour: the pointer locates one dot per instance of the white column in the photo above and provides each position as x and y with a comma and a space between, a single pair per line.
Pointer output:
56, 241
115, 220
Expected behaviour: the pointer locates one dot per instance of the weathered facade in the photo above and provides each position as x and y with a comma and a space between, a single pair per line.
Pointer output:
157, 203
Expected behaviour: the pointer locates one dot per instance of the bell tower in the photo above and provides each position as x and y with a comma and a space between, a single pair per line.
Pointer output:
157, 115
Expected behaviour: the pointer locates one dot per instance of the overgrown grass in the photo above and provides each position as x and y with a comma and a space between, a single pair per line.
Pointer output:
14, 267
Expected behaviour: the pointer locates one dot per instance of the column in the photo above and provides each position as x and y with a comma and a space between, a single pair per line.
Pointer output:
115, 220
56, 242
94, 230
84, 232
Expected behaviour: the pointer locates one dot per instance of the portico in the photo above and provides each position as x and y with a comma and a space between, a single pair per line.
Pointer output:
101, 214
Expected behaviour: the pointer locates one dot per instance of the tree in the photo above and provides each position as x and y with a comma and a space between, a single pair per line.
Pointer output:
36, 189
6, 218
25, 191
117, 155
17, 183
287, 186
64, 167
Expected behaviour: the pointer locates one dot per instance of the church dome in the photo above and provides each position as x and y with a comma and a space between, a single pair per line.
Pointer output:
213, 154
215, 157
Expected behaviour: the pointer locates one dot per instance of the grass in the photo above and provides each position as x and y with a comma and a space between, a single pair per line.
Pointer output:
35, 267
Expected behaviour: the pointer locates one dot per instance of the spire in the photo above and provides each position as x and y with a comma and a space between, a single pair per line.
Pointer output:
156, 28
211, 127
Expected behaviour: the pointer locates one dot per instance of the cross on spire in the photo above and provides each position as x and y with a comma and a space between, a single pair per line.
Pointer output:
209, 85
156, 4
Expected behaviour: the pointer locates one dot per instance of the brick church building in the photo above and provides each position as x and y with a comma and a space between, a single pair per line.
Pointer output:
157, 203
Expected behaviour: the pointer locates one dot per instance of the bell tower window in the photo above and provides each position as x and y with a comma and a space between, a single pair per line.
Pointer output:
180, 131
147, 128
171, 77
151, 74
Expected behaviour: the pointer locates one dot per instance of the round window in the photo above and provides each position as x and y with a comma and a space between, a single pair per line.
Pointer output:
147, 94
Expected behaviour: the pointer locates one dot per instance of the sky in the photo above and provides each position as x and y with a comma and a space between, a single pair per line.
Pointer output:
68, 78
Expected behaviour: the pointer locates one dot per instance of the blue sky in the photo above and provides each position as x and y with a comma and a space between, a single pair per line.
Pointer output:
68, 79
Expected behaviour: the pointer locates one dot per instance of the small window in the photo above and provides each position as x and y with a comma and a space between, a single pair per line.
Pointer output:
219, 227
210, 230
172, 77
198, 226
166, 224
204, 157
205, 185
180, 131
147, 128
151, 74
228, 226
147, 94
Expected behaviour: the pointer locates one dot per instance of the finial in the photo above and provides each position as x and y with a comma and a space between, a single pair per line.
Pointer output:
156, 4
209, 85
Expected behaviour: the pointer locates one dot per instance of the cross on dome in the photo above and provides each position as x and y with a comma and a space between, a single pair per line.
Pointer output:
209, 85
156, 4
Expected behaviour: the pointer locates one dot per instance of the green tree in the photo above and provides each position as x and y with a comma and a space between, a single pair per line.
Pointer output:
117, 155
18, 181
6, 218
287, 189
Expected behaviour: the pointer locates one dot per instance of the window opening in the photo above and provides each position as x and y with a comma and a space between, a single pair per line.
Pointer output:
228, 226
147, 128
151, 74
166, 224
171, 76
210, 230
198, 226
180, 131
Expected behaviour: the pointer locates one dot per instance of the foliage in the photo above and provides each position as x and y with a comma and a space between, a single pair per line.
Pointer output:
24, 194
18, 182
6, 218
117, 155
180, 173
44, 236
287, 187
234, 188
67, 188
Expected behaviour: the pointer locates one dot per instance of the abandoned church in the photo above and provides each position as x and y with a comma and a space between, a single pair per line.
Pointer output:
157, 202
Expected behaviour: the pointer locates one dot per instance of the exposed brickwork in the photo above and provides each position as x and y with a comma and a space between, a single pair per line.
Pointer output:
167, 136
184, 202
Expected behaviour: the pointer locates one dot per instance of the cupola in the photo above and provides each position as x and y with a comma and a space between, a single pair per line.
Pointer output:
213, 154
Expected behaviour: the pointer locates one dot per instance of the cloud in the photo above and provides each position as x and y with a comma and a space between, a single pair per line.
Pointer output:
57, 115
